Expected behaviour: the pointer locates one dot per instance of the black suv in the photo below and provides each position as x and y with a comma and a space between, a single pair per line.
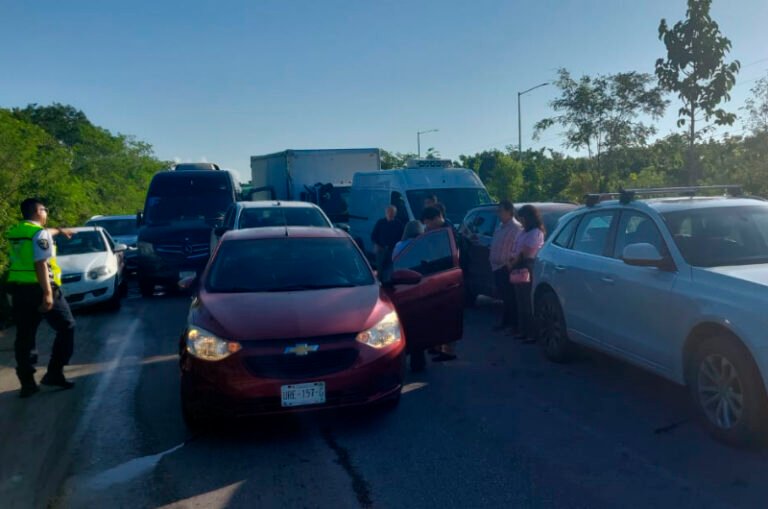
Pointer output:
181, 209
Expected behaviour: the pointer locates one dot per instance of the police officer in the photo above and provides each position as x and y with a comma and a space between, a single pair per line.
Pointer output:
34, 280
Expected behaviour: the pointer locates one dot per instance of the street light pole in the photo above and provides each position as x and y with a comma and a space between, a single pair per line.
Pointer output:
520, 120
418, 139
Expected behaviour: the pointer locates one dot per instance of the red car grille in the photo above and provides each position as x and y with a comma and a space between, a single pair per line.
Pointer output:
289, 366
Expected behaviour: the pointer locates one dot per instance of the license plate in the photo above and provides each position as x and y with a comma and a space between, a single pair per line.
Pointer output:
303, 394
187, 273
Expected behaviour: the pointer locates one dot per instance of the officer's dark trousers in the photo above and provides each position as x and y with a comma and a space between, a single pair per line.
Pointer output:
26, 301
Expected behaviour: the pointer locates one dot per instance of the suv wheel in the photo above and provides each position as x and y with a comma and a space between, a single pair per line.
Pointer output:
552, 332
728, 392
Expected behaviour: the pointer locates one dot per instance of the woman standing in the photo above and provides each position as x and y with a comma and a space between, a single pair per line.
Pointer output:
526, 248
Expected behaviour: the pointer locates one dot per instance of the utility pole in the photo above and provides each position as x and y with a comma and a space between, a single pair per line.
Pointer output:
520, 120
418, 139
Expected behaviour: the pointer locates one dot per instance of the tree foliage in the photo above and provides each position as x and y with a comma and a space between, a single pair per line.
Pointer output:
80, 170
757, 108
695, 70
601, 114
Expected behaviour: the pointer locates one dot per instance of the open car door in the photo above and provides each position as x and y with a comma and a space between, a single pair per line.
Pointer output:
431, 311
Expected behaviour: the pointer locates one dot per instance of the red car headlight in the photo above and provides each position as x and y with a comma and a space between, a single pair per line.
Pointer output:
209, 347
385, 333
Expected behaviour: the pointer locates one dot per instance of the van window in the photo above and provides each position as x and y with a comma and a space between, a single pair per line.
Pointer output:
175, 197
457, 202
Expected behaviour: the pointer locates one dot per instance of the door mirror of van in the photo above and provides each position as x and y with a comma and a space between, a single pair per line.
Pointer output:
139, 219
119, 248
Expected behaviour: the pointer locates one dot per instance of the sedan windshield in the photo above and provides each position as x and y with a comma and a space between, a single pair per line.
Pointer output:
282, 216
722, 236
80, 243
457, 201
287, 264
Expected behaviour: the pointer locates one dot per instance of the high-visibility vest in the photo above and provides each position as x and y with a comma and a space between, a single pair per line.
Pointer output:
22, 269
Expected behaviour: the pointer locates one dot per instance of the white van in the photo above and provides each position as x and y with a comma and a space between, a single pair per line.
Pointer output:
458, 189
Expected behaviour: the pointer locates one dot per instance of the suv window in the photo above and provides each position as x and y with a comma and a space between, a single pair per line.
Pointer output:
636, 228
563, 239
721, 236
592, 233
428, 254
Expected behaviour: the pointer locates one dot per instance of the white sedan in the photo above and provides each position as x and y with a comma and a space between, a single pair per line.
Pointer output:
91, 266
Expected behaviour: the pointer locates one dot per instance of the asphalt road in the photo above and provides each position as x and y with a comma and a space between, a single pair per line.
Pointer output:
501, 427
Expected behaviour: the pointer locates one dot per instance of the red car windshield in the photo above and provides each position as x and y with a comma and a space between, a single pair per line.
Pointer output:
287, 264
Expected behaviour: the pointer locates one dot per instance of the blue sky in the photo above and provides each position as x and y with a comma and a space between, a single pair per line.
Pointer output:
225, 80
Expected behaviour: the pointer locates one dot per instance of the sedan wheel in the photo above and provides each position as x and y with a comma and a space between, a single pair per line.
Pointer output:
552, 331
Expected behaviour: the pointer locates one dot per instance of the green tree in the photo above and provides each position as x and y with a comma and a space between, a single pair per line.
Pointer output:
392, 160
501, 173
602, 113
757, 107
695, 69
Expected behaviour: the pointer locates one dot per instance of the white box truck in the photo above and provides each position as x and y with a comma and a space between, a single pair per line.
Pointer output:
320, 176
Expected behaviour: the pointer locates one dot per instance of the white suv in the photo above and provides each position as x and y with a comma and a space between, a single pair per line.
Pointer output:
676, 285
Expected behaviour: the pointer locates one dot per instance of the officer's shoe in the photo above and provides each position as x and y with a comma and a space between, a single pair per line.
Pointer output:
56, 380
28, 390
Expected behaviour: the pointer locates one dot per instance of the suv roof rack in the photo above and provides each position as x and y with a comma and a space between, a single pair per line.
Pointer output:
627, 195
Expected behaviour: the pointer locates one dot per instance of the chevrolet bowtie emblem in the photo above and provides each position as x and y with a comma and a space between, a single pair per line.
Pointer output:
303, 349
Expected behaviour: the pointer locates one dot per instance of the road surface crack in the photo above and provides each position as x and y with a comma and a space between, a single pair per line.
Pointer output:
359, 484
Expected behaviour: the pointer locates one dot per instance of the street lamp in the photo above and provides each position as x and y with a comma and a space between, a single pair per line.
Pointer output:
520, 122
418, 139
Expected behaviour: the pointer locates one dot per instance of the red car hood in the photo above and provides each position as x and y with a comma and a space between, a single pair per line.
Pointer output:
289, 315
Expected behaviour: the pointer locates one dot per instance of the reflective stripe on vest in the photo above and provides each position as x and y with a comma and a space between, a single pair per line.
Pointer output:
22, 268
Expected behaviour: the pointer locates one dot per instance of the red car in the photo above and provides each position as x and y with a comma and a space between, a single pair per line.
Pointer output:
290, 319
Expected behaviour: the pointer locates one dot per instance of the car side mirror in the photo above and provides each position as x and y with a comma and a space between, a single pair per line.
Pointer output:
404, 277
139, 219
645, 255
119, 248
187, 283
220, 230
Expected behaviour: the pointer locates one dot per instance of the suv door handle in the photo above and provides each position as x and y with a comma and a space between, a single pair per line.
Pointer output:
607, 279
560, 268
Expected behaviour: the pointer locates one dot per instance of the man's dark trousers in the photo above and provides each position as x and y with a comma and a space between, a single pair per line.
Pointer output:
507, 293
26, 301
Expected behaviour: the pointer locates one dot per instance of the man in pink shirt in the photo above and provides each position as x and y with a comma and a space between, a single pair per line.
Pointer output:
502, 250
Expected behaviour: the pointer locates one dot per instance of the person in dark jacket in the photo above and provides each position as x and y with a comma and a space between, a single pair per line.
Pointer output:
386, 234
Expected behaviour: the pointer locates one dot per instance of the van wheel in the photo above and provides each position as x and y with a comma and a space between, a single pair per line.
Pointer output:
552, 331
728, 392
